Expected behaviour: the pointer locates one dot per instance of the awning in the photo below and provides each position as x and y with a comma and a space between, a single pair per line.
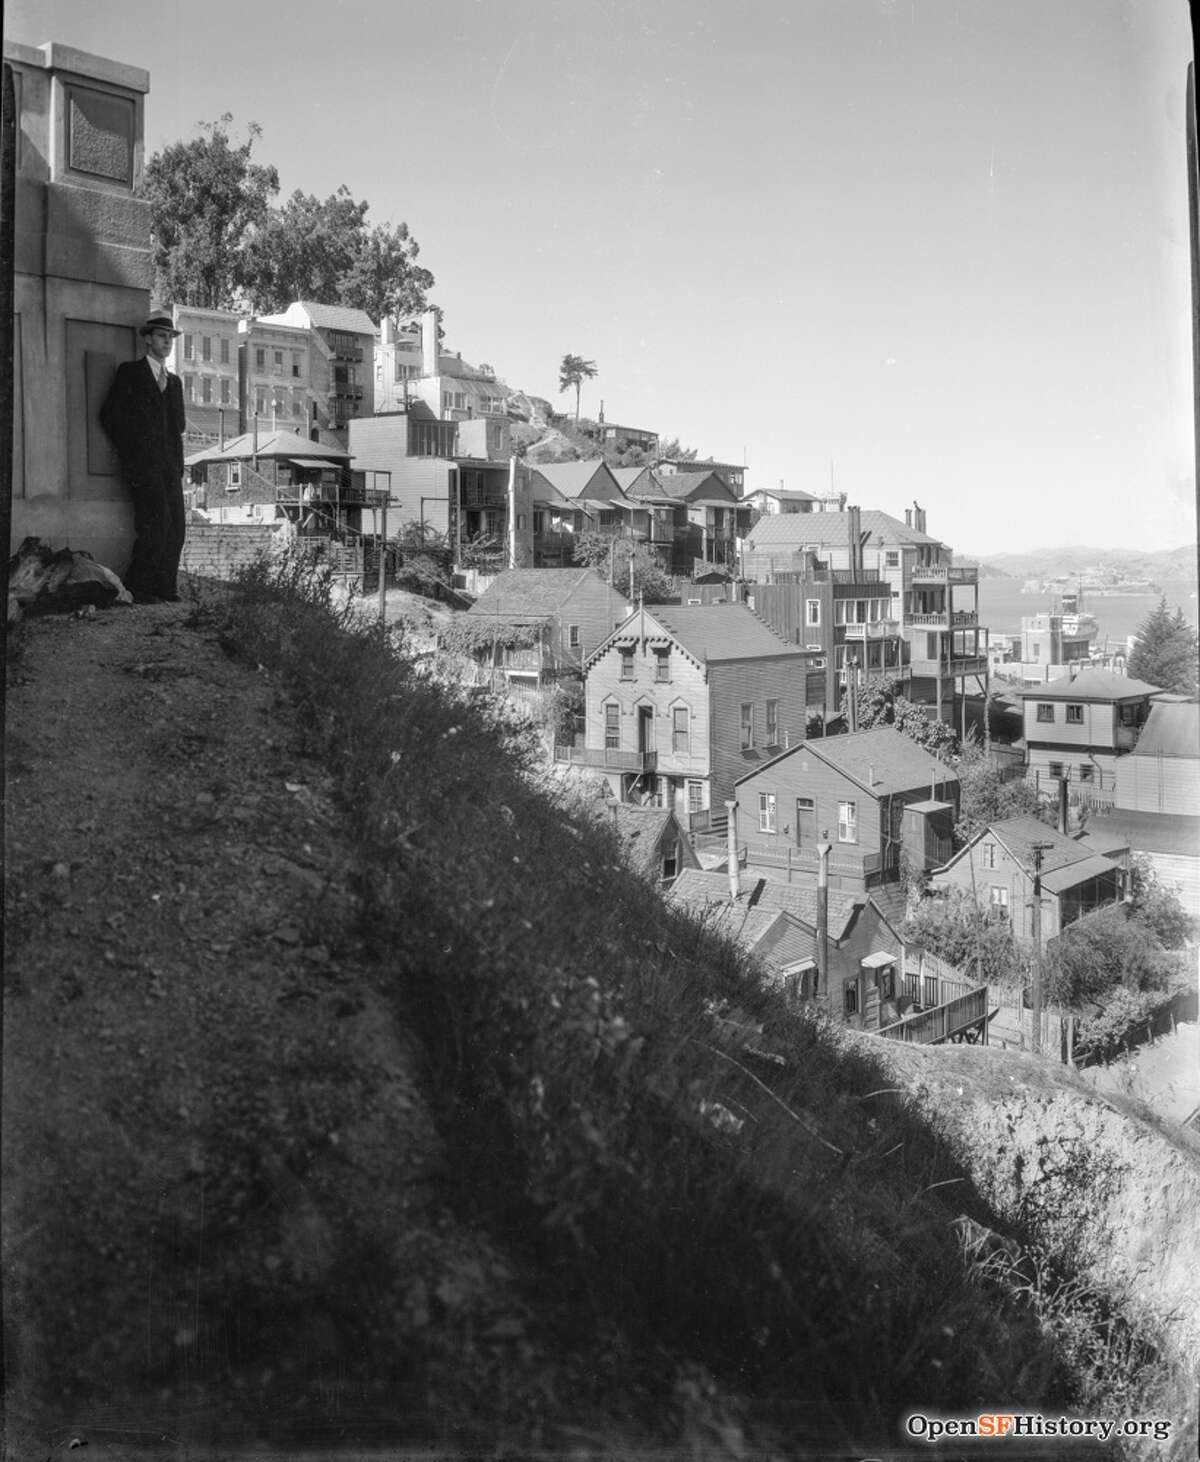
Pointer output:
1076, 873
315, 462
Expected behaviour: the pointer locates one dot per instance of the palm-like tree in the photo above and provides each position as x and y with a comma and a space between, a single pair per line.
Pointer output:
573, 372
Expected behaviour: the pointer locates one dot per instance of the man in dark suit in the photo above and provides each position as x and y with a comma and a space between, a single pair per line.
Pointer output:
143, 417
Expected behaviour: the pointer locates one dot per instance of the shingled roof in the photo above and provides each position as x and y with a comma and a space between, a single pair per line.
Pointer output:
1091, 685
522, 596
1172, 729
798, 530
882, 760
714, 632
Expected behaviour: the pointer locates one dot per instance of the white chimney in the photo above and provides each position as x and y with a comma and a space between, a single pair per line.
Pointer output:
735, 882
429, 343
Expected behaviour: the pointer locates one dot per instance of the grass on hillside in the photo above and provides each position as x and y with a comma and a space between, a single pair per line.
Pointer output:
764, 1235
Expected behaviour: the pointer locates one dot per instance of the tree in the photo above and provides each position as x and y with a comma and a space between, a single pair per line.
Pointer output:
1156, 907
956, 930
207, 199
984, 799
879, 703
1166, 651
1102, 951
612, 557
573, 372
323, 250
220, 244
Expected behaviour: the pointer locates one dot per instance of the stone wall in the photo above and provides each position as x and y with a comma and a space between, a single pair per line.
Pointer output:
218, 551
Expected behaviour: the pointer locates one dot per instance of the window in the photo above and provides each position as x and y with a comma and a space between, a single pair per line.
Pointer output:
573, 636
766, 812
1087, 772
885, 979
612, 727
626, 664
260, 402
850, 997
189, 347
1055, 769
695, 796
297, 410
839, 611
224, 349
235, 474
1074, 715
279, 362
772, 723
747, 722
998, 900
812, 611
226, 386
680, 735
662, 666
189, 387
206, 385
988, 855
206, 347
296, 364
847, 822
1045, 711
260, 358
539, 520
891, 559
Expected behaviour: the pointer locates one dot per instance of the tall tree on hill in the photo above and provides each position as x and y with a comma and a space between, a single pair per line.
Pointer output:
207, 199
1165, 652
323, 250
573, 372
220, 244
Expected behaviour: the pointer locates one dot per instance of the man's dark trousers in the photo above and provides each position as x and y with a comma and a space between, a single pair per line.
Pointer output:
146, 423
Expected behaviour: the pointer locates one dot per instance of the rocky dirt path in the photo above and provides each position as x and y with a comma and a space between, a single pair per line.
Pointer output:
222, 1185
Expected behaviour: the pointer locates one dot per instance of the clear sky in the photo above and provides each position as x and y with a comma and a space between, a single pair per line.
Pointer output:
935, 249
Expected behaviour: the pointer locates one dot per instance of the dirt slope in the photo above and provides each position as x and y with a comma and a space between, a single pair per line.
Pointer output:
224, 1205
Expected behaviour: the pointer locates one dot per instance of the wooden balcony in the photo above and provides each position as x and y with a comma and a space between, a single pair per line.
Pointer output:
940, 573
879, 629
607, 759
947, 620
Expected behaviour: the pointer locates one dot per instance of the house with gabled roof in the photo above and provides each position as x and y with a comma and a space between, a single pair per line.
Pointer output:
680, 701
706, 516
875, 798
997, 868
564, 613
654, 843
864, 952
573, 498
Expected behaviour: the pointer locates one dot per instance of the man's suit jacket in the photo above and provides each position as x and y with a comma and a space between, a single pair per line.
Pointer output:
144, 424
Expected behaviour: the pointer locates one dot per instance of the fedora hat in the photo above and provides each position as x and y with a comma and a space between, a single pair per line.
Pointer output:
159, 321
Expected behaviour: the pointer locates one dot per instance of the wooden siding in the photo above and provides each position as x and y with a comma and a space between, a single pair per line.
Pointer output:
596, 608
1157, 783
875, 855
686, 687
1105, 766
754, 682
1098, 729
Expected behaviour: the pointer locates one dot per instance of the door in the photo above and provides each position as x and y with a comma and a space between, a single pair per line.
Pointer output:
806, 822
645, 741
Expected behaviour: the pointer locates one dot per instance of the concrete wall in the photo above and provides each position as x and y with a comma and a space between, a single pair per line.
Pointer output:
82, 287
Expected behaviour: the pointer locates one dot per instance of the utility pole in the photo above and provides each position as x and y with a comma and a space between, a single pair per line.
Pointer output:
1035, 1044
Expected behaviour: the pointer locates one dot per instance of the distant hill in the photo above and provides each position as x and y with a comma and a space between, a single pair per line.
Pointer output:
1166, 563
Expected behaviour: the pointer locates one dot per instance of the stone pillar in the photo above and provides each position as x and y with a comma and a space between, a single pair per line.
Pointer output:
83, 273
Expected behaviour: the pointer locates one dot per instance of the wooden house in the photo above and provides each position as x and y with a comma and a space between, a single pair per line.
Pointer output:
655, 844
870, 796
1081, 727
681, 701
997, 868
566, 614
